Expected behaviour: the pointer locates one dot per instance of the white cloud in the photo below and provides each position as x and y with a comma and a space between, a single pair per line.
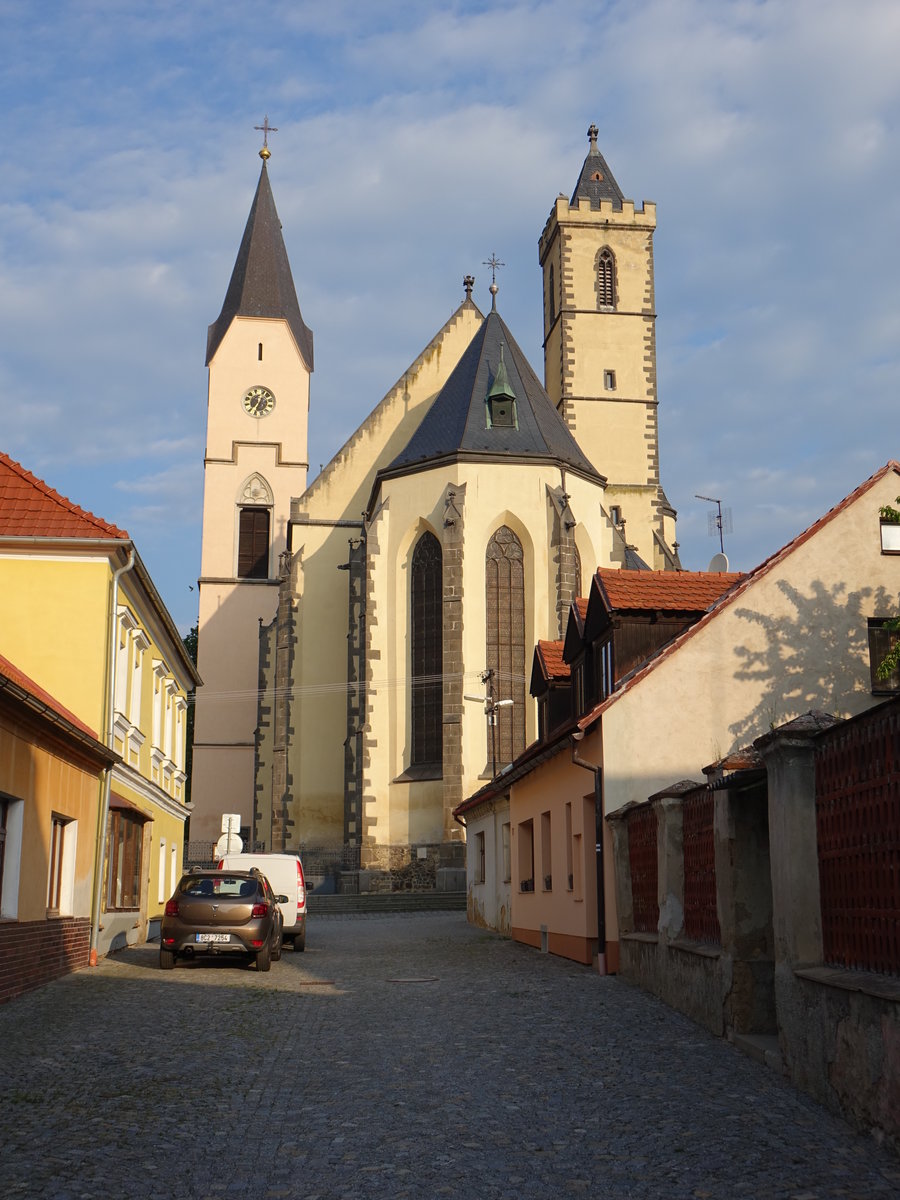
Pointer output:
413, 141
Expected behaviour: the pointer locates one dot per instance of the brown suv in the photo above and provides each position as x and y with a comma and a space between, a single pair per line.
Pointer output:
222, 912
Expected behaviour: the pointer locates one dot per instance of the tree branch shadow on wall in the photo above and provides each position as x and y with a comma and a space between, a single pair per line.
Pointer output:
815, 657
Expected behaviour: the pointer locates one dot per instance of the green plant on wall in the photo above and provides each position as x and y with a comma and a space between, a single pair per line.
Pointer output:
891, 660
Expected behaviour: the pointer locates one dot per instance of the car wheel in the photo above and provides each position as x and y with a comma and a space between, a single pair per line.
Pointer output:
166, 959
264, 958
299, 942
276, 953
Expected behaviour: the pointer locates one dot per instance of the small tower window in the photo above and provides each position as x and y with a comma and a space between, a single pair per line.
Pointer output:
606, 279
609, 380
260, 352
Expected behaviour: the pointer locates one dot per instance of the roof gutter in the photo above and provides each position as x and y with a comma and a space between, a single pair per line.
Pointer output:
597, 772
112, 647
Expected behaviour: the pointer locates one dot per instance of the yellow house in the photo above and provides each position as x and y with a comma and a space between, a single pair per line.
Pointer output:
80, 616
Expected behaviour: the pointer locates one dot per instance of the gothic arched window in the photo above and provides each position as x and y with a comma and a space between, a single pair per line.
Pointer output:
505, 641
427, 652
606, 279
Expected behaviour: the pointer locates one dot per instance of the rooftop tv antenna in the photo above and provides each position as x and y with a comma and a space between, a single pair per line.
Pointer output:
719, 521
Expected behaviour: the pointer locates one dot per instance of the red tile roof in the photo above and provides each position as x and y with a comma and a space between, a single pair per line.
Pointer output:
20, 679
581, 605
551, 657
30, 508
673, 591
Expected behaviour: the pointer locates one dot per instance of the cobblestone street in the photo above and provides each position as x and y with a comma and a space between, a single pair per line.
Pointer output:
400, 1056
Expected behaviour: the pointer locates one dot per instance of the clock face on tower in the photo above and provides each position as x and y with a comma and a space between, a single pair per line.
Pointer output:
258, 401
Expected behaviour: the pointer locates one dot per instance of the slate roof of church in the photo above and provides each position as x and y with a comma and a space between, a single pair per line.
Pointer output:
261, 282
31, 508
589, 186
456, 425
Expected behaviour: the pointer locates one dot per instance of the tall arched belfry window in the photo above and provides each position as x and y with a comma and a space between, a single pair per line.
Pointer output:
505, 608
606, 279
253, 544
427, 652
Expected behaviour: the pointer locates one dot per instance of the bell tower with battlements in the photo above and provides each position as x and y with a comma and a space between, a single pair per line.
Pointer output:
596, 255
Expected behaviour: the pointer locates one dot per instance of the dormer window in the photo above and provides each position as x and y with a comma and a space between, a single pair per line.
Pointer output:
500, 401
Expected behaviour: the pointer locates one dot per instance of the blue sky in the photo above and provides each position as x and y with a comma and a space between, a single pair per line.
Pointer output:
415, 140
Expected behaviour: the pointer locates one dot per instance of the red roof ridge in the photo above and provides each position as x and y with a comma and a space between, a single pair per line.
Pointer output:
50, 496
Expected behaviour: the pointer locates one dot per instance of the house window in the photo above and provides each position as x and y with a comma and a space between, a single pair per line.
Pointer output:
546, 853
570, 881
882, 640
505, 640
603, 668
123, 857
504, 840
606, 279
253, 544
11, 816
479, 858
426, 607
526, 856
609, 380
61, 875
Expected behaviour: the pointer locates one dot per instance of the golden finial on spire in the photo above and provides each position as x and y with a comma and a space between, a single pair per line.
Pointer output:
266, 129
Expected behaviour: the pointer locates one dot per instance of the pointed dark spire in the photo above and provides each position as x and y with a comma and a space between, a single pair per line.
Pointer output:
261, 282
596, 182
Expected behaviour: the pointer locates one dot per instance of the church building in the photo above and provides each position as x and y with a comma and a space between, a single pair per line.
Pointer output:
365, 640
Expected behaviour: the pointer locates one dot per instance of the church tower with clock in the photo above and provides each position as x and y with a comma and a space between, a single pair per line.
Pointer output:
260, 357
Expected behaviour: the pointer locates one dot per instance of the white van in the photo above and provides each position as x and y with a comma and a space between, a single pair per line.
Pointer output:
285, 873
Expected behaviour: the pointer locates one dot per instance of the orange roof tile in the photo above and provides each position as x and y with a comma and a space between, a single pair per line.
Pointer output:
14, 675
677, 591
30, 508
581, 605
551, 656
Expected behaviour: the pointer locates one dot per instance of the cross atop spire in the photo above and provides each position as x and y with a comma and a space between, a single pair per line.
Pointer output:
266, 129
493, 262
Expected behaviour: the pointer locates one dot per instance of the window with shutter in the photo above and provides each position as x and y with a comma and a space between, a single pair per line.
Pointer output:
606, 279
253, 544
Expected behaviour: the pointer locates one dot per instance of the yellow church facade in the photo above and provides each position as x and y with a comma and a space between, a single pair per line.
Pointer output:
390, 637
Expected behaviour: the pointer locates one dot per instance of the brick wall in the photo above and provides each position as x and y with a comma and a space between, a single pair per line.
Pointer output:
34, 952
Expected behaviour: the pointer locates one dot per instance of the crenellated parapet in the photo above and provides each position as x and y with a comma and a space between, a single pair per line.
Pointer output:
605, 214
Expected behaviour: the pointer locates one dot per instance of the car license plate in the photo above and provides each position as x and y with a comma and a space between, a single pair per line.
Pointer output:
213, 937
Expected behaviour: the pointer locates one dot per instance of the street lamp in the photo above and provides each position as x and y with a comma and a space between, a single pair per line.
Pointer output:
491, 707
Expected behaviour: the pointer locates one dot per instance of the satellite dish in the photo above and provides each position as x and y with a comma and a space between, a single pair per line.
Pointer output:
719, 562
229, 843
